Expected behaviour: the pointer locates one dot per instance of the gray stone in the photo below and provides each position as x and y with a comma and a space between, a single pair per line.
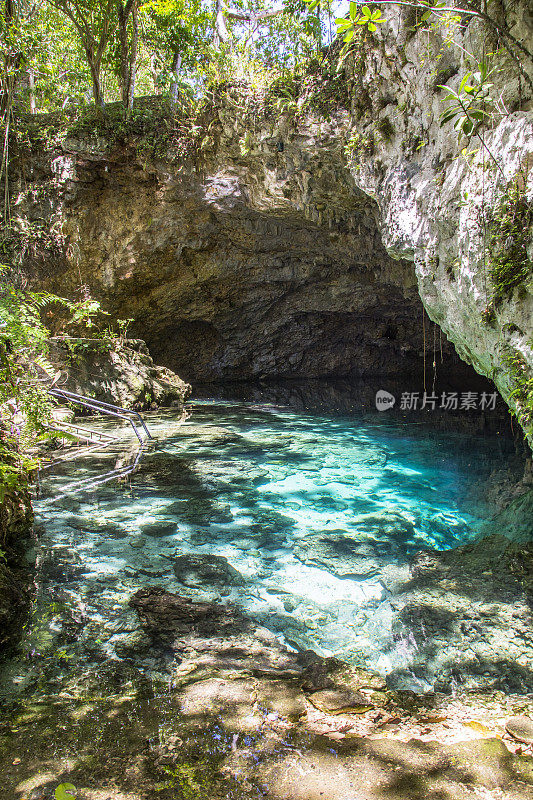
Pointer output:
340, 701
159, 529
198, 570
137, 541
121, 372
520, 728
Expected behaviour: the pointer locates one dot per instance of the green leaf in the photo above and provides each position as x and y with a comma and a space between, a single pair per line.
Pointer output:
448, 115
478, 114
371, 27
464, 82
353, 10
464, 125
366, 11
349, 36
65, 791
425, 16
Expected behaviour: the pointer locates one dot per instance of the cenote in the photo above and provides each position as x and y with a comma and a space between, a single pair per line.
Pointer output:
358, 536
296, 240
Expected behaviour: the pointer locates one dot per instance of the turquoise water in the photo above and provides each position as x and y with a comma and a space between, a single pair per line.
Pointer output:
313, 520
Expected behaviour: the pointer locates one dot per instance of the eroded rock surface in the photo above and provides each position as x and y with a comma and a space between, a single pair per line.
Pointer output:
302, 253
119, 372
468, 612
214, 635
319, 727
266, 264
205, 570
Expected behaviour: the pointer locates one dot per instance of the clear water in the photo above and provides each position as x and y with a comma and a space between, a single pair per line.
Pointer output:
319, 515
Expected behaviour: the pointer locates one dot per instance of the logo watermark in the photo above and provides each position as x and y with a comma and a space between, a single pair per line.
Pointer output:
384, 400
446, 401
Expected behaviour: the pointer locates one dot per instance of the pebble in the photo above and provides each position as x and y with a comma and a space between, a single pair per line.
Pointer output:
138, 541
290, 605
521, 728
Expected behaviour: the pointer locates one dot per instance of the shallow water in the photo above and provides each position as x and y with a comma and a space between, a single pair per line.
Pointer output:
318, 515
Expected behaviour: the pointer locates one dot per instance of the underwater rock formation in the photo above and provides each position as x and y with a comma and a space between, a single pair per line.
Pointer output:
216, 636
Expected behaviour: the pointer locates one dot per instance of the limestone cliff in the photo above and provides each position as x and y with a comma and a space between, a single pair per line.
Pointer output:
463, 212
297, 241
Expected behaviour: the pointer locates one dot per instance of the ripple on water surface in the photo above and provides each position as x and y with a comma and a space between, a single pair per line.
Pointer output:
317, 524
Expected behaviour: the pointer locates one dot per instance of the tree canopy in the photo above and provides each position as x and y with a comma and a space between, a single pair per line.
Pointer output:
68, 53
64, 53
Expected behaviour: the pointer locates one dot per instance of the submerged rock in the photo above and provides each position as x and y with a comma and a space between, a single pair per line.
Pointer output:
465, 618
212, 635
196, 571
343, 555
159, 529
521, 728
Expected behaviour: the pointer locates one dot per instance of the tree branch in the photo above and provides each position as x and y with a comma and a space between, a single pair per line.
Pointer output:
472, 12
253, 17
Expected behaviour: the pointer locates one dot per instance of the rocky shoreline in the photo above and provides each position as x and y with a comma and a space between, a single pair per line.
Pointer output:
119, 371
16, 518
240, 716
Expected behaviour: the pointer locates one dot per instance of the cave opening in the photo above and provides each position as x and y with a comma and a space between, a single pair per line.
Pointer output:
233, 278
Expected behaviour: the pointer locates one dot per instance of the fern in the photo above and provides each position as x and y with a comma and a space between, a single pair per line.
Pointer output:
25, 368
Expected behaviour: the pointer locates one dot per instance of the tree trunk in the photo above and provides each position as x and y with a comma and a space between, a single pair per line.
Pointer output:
154, 74
133, 57
221, 33
31, 87
94, 66
123, 39
174, 90
128, 50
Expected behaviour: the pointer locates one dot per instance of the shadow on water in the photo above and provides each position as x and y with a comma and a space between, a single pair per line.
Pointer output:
322, 518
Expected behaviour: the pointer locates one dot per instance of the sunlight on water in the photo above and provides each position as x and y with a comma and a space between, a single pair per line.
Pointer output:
315, 517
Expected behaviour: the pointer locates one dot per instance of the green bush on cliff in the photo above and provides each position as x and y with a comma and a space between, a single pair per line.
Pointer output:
521, 388
25, 370
510, 230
